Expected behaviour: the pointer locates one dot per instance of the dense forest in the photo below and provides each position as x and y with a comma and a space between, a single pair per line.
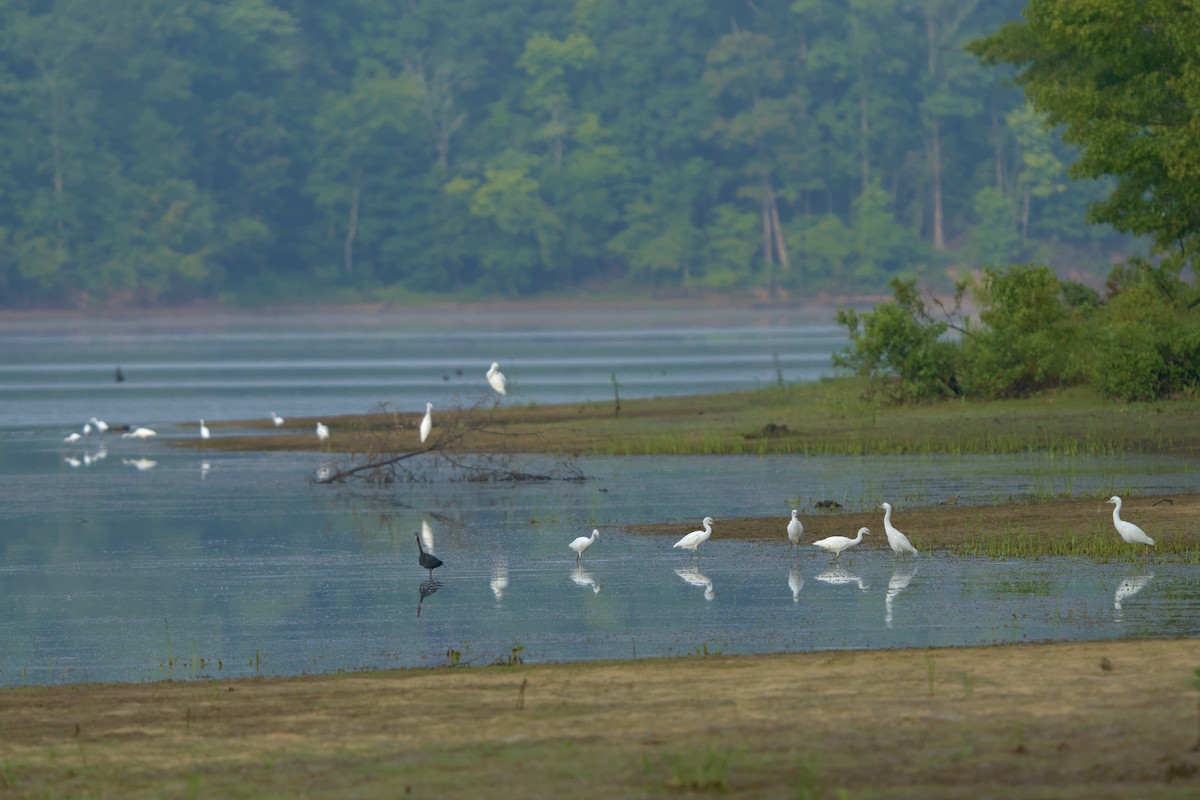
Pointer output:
249, 151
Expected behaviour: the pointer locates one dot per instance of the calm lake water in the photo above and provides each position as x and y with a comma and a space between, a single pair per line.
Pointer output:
129, 561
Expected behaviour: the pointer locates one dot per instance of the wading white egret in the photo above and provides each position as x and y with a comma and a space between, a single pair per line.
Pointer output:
696, 538
427, 560
496, 379
322, 431
898, 541
583, 543
427, 422
87, 429
139, 433
204, 432
836, 544
140, 464
72, 438
795, 529
278, 420
1129, 532
99, 424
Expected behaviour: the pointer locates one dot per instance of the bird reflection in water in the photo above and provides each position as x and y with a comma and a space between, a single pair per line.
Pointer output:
695, 577
1128, 588
582, 577
499, 580
427, 535
427, 588
140, 464
838, 576
896, 585
795, 583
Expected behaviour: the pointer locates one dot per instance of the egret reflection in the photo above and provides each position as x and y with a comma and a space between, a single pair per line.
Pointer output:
795, 583
839, 576
896, 585
426, 588
1128, 588
694, 577
499, 581
583, 577
427, 535
140, 464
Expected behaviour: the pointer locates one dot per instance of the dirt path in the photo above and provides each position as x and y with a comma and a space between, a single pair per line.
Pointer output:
1086, 720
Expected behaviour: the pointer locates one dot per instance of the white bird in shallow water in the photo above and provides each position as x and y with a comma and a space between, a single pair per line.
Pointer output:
72, 438
427, 422
836, 544
898, 541
1129, 532
496, 379
795, 529
278, 420
322, 431
581, 544
696, 538
204, 432
139, 433
99, 424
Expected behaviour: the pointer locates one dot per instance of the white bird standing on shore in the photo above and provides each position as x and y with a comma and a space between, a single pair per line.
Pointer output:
898, 541
795, 529
322, 431
696, 538
204, 432
278, 420
427, 422
496, 379
836, 544
581, 544
1129, 532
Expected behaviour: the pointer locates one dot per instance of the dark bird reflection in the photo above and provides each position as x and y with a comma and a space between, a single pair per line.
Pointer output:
583, 577
795, 583
693, 576
1128, 588
896, 585
839, 576
427, 588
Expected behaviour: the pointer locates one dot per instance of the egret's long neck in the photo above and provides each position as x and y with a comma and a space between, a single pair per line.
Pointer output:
858, 538
1117, 511
887, 516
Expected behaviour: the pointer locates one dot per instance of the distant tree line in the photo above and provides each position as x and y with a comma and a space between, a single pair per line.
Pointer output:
274, 150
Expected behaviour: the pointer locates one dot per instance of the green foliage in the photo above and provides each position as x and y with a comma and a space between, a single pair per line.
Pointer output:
154, 152
900, 348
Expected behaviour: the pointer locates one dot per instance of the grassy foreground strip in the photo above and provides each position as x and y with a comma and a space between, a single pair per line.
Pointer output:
1061, 527
1078, 720
829, 417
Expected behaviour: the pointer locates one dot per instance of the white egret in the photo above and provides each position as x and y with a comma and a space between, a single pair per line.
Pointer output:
836, 544
72, 461
795, 583
204, 432
139, 433
278, 420
427, 560
72, 438
87, 429
696, 538
99, 424
1129, 532
898, 541
694, 577
140, 464
496, 379
1129, 587
795, 529
427, 422
581, 577
583, 543
838, 576
322, 431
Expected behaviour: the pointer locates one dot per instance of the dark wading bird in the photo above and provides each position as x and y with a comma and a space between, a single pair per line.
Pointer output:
428, 560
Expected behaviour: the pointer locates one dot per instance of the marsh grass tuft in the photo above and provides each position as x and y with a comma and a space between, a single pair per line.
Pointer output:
704, 771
